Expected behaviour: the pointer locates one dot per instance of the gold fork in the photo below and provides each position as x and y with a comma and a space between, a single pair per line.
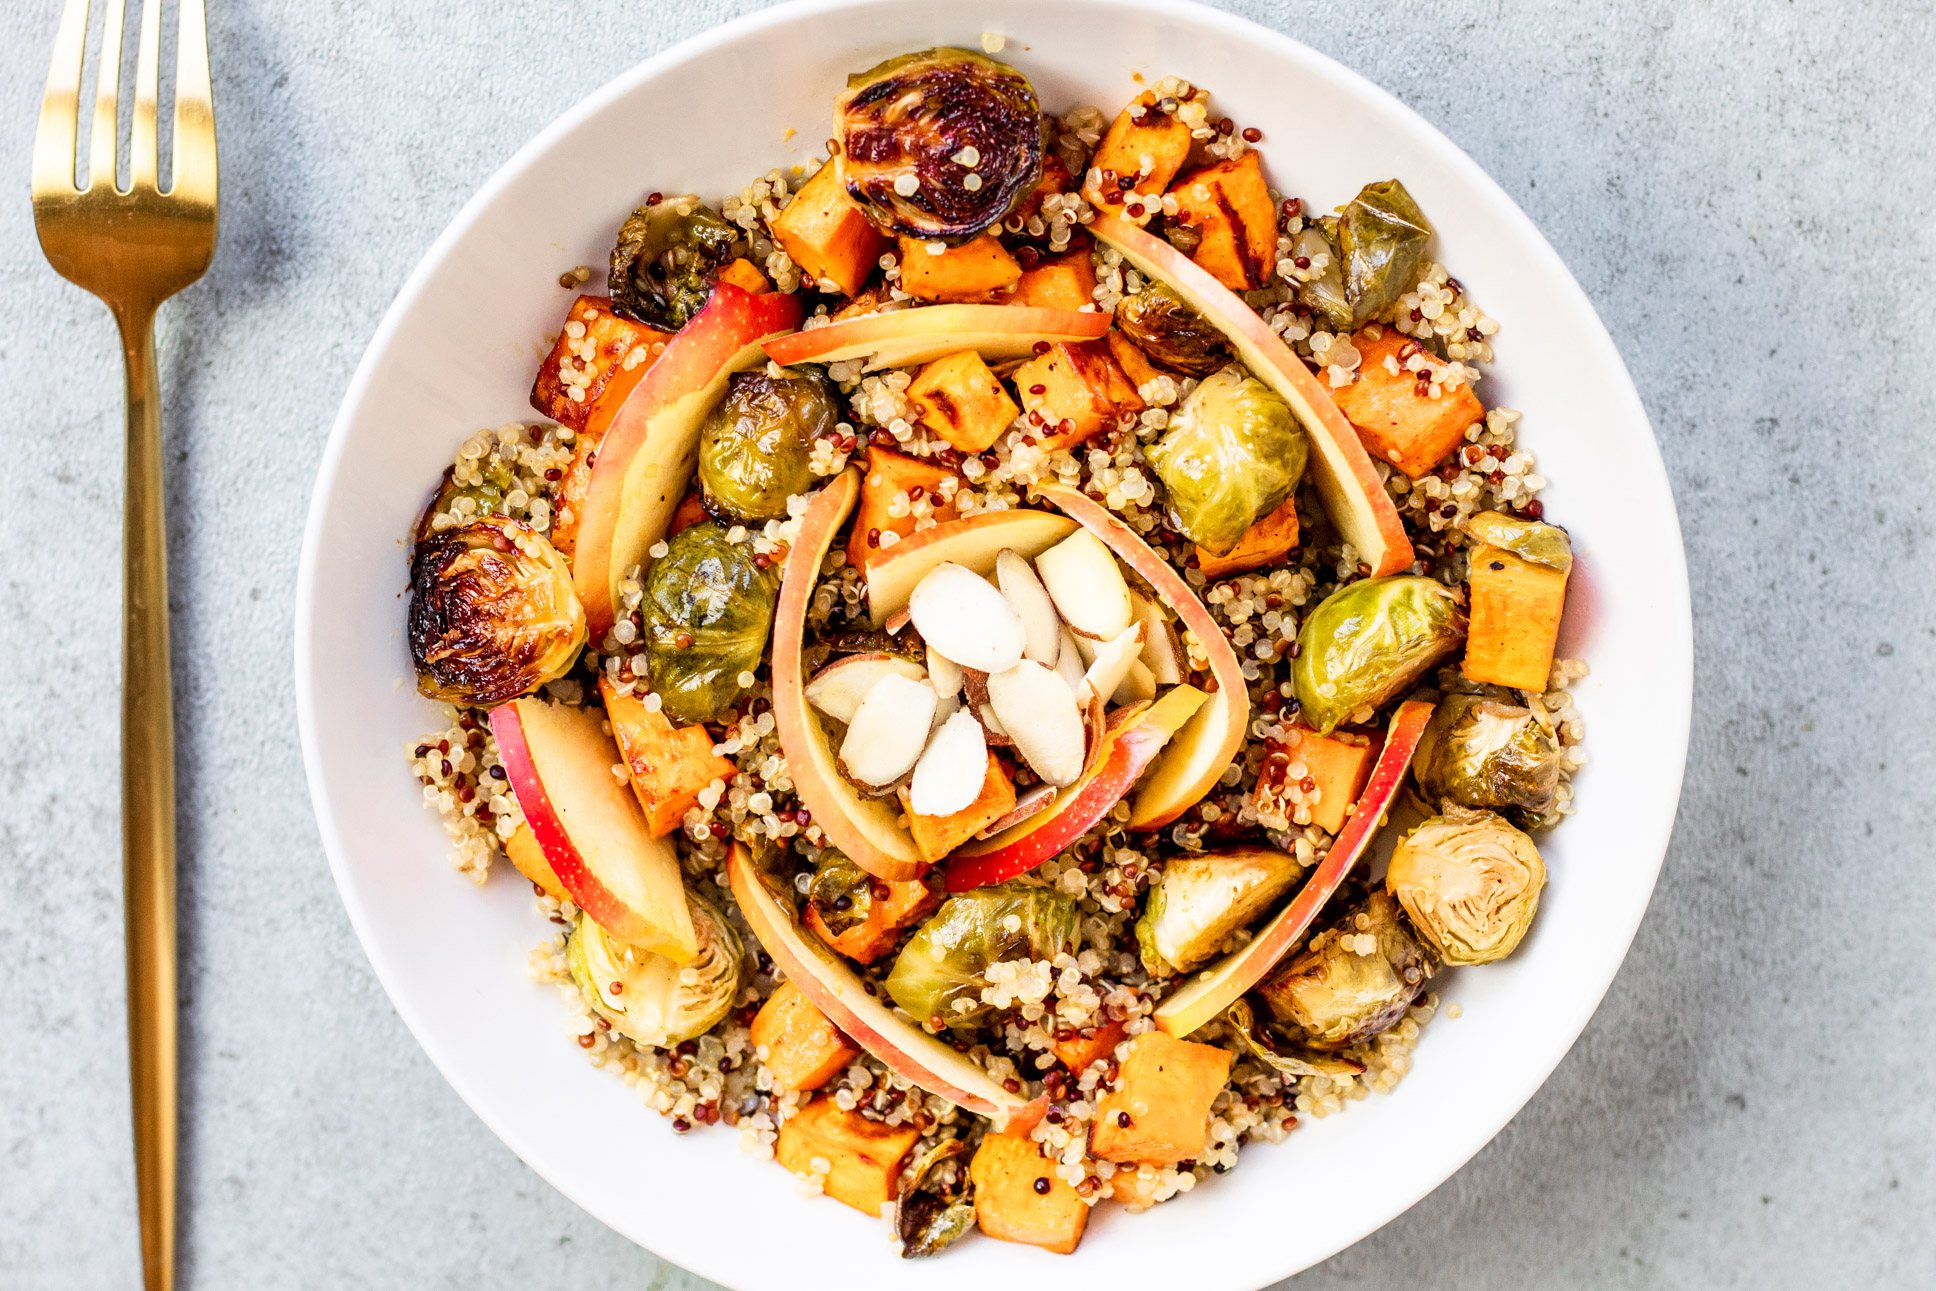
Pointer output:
135, 249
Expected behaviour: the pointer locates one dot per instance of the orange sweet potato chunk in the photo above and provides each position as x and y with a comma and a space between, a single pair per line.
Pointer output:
826, 234
1079, 1051
1516, 608
1160, 1108
1264, 543
746, 276
889, 473
1076, 390
936, 836
1012, 1206
803, 1049
1138, 132
1130, 358
864, 1157
893, 907
668, 765
529, 858
1230, 208
598, 357
1335, 768
1066, 282
981, 270
690, 511
1400, 420
961, 400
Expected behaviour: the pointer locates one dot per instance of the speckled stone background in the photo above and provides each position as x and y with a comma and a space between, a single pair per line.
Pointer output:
1745, 190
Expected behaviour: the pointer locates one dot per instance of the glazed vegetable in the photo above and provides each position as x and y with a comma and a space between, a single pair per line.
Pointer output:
645, 996
1541, 544
841, 892
668, 256
937, 1201
939, 145
1323, 291
940, 973
1171, 333
755, 447
1382, 234
1201, 899
1367, 642
1482, 752
708, 607
492, 612
1232, 454
1355, 979
1293, 1064
1470, 883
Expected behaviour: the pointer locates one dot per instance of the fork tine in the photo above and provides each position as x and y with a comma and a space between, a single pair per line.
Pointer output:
107, 98
194, 108
60, 106
144, 157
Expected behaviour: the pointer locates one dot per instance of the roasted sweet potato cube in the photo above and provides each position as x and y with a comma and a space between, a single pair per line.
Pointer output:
1229, 207
1066, 282
1079, 1051
1143, 145
936, 836
981, 270
598, 357
1130, 358
1012, 1206
803, 1049
668, 765
1264, 543
690, 511
570, 503
1077, 390
1055, 179
868, 302
1334, 766
1160, 1108
1516, 608
959, 399
904, 904
890, 473
826, 234
863, 1157
1392, 406
529, 858
1135, 1185
745, 275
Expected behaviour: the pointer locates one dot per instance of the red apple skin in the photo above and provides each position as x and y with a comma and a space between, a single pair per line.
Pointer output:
997, 331
1347, 481
726, 334
1206, 995
836, 991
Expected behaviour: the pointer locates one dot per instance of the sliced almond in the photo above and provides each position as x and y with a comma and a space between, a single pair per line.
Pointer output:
944, 673
1111, 665
1137, 684
1087, 586
888, 731
838, 688
896, 621
945, 706
1025, 592
961, 615
1162, 652
1069, 663
991, 725
1027, 804
1039, 712
949, 776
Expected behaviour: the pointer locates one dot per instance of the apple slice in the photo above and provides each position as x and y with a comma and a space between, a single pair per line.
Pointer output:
962, 615
1042, 719
1346, 480
1210, 992
1086, 585
867, 830
903, 337
1196, 758
974, 542
1031, 600
1162, 652
1134, 738
559, 762
837, 689
889, 730
646, 458
833, 988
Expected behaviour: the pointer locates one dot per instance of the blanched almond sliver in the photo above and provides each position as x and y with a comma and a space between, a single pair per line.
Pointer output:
1087, 585
944, 672
962, 616
1041, 628
949, 775
838, 688
889, 730
1162, 652
1037, 709
1112, 663
1069, 664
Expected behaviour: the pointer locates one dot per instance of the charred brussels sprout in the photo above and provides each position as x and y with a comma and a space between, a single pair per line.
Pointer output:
1323, 291
1295, 1064
1470, 883
940, 973
755, 448
666, 261
1531, 541
1382, 234
1481, 752
1232, 454
1171, 333
492, 613
649, 998
939, 145
1201, 899
1367, 642
1355, 979
937, 1201
842, 892
708, 608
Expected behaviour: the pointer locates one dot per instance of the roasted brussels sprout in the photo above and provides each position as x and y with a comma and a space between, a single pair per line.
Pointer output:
755, 447
1293, 1064
708, 608
937, 1201
492, 612
1470, 883
1481, 752
649, 998
940, 144
1382, 234
940, 973
1531, 541
1171, 333
1367, 642
1203, 898
1232, 454
668, 256
1353, 980
1322, 293
842, 892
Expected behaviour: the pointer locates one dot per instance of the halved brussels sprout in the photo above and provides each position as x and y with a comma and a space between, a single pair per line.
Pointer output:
1382, 234
1203, 898
492, 612
647, 997
1354, 979
665, 263
1171, 333
1470, 882
708, 608
1367, 642
1288, 1063
756, 446
1481, 752
927, 1219
1232, 454
940, 973
842, 892
939, 145
1323, 294
1540, 544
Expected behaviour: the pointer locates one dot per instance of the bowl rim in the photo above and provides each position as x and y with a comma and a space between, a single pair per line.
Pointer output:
1531, 243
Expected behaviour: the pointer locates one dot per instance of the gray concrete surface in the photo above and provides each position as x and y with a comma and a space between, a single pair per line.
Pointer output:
1744, 189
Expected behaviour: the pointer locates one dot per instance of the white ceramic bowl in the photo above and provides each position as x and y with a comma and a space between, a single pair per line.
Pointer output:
456, 352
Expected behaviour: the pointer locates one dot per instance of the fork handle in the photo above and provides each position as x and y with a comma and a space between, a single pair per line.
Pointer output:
148, 808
